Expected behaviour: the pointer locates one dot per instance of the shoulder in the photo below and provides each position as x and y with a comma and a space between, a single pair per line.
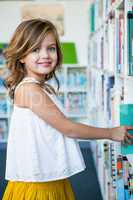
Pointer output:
28, 92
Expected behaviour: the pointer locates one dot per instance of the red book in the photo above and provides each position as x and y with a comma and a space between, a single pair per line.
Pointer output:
120, 37
112, 1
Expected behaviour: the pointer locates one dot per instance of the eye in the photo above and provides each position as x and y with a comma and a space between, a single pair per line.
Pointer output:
52, 49
36, 50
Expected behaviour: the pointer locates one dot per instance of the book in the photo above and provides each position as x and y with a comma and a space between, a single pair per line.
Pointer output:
120, 40
113, 1
92, 17
130, 41
3, 128
126, 118
3, 106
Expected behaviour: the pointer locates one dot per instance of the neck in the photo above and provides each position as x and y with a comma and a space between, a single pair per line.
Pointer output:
40, 79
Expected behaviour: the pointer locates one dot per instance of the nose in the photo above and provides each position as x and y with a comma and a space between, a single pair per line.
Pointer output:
43, 53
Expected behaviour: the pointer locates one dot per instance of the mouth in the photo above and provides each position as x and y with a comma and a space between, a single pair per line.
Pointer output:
44, 64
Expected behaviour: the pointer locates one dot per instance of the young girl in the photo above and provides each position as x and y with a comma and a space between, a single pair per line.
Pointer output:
42, 150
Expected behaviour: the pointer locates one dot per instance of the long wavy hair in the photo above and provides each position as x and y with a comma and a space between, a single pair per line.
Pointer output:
27, 37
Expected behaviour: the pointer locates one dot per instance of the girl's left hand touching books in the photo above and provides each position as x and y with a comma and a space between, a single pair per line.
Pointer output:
121, 134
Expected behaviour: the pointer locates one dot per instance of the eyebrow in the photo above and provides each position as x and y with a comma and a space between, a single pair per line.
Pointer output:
52, 44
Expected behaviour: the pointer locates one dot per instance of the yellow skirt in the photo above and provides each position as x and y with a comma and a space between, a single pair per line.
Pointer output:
54, 190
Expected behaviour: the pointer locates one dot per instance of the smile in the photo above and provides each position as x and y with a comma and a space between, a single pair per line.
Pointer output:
44, 64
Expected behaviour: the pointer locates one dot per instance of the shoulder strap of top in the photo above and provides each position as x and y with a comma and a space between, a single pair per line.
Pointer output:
32, 80
26, 80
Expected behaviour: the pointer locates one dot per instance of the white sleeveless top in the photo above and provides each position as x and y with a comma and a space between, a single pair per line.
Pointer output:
36, 152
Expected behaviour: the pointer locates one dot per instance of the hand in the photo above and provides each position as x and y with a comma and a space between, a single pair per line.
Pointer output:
120, 134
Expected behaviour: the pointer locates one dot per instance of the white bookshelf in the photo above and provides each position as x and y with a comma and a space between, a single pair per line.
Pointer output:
5, 106
109, 83
73, 91
5, 111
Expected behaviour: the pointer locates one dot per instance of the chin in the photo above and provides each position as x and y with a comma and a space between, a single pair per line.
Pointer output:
48, 71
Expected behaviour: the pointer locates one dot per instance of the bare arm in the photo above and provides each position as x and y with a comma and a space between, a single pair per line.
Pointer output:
32, 96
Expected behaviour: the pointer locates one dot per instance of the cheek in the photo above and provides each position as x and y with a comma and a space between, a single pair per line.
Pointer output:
56, 58
31, 63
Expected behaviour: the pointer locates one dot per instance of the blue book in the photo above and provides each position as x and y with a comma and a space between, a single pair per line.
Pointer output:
126, 118
126, 190
120, 189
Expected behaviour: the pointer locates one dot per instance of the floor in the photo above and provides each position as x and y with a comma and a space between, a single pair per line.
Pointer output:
85, 184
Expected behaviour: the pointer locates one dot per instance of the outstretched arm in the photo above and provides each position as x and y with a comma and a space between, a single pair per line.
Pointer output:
32, 96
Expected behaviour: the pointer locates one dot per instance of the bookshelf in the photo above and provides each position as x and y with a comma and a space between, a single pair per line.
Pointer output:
110, 86
73, 92
5, 106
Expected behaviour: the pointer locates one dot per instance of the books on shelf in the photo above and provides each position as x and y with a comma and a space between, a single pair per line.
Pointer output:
120, 35
92, 17
76, 103
109, 86
98, 14
2, 59
130, 41
3, 129
111, 57
73, 90
124, 178
2, 85
3, 106
108, 42
114, 170
101, 90
4, 103
112, 1
76, 78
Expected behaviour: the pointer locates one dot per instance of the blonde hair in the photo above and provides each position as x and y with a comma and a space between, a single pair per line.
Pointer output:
27, 37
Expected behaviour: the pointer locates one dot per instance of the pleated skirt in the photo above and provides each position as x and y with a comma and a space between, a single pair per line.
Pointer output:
54, 190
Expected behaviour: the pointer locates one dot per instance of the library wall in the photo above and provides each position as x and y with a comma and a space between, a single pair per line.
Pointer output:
75, 23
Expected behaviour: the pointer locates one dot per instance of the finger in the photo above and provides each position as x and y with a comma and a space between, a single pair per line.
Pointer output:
129, 135
128, 141
129, 127
124, 141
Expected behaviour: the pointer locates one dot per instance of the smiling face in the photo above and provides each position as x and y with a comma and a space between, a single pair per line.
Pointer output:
43, 60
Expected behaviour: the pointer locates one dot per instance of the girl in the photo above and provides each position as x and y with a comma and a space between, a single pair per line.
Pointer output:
42, 150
